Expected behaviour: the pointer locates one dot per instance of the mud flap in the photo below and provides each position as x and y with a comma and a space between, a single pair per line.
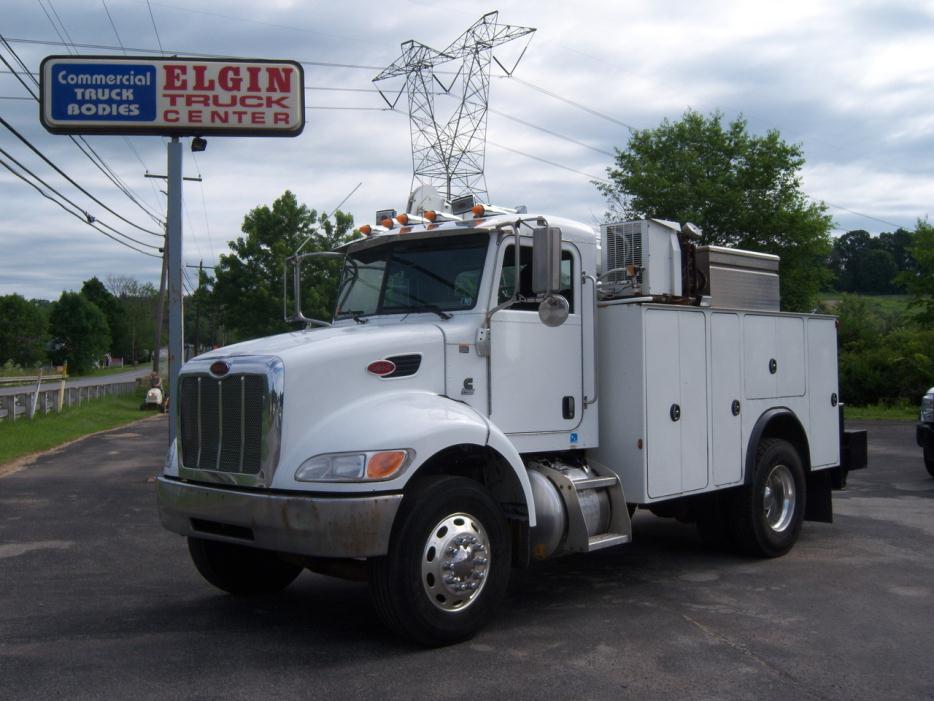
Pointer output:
819, 505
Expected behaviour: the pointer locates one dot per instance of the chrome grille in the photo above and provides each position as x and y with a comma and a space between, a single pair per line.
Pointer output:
221, 422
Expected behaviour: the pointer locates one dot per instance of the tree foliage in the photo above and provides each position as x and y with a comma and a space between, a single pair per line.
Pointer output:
742, 190
138, 301
79, 332
95, 291
919, 282
871, 264
248, 283
22, 331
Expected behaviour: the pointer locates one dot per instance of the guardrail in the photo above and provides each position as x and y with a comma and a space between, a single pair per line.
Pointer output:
29, 402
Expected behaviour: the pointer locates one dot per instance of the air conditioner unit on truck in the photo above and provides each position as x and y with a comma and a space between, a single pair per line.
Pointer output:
489, 394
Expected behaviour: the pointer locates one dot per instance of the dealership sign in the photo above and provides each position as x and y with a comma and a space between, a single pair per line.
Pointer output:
171, 96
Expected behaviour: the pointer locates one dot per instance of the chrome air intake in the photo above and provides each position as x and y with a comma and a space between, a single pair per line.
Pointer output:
230, 417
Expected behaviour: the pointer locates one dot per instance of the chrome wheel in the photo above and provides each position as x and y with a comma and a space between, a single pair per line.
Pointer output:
779, 497
456, 562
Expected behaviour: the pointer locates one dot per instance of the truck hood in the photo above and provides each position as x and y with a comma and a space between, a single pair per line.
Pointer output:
326, 381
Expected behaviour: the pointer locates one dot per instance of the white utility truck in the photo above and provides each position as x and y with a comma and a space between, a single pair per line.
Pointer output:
490, 393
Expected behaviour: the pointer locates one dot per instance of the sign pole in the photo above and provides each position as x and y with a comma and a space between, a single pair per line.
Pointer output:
174, 243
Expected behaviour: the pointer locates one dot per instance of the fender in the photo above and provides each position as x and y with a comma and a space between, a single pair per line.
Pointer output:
498, 441
420, 420
764, 420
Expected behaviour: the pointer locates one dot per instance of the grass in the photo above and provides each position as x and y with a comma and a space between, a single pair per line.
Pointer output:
885, 305
22, 437
900, 411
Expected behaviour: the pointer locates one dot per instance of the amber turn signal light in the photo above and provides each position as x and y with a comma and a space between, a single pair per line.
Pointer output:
383, 465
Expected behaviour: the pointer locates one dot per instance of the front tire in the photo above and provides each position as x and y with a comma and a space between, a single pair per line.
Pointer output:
767, 513
448, 563
240, 570
929, 464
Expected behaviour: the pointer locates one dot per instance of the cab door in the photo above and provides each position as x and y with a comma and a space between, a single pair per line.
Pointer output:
536, 371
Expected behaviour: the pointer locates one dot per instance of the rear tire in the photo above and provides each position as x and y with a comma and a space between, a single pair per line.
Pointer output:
448, 563
240, 570
929, 464
766, 514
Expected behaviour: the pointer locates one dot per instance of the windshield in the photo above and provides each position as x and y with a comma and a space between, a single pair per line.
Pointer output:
438, 274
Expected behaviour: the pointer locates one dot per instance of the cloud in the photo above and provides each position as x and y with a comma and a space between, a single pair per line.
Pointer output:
848, 82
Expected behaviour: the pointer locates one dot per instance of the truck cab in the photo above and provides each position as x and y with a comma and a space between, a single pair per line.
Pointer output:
445, 425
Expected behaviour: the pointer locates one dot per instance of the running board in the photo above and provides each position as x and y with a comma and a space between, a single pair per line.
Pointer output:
606, 540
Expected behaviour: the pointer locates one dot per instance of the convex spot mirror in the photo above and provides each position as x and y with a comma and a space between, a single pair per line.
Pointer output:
554, 310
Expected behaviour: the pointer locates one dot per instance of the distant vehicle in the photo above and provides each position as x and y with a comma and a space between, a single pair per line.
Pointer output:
924, 434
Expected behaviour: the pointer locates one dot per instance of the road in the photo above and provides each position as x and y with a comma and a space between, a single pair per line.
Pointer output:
128, 376
99, 602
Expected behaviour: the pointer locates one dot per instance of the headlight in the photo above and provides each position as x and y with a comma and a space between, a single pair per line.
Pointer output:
927, 407
354, 467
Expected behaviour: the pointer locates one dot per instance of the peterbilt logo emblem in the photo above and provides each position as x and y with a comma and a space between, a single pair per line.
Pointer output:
220, 368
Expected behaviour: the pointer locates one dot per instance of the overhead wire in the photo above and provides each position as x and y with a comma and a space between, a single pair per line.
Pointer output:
195, 54
87, 215
93, 156
88, 220
67, 177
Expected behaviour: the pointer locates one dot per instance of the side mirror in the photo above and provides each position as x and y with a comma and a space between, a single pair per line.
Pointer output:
546, 275
546, 260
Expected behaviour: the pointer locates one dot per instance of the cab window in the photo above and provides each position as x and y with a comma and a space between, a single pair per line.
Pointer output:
507, 280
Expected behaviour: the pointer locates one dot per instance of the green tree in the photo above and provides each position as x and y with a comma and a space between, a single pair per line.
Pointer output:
138, 300
248, 284
115, 314
79, 332
742, 190
869, 265
919, 281
23, 331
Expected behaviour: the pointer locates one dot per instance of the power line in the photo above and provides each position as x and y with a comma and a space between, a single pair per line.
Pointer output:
87, 219
571, 102
194, 54
155, 28
96, 159
551, 163
859, 214
113, 26
86, 214
70, 179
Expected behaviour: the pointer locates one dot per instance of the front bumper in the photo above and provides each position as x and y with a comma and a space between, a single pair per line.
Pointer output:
288, 523
924, 435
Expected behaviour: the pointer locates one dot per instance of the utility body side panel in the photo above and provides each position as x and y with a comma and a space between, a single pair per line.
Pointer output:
681, 390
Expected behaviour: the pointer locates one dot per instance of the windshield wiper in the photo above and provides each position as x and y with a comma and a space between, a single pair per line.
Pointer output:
433, 308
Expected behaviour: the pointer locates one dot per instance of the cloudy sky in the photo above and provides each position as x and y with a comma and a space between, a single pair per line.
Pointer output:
852, 82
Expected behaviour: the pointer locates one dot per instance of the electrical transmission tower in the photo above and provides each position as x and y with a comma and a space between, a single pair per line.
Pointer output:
448, 153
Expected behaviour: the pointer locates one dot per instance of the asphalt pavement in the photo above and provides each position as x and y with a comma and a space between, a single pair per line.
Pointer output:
97, 601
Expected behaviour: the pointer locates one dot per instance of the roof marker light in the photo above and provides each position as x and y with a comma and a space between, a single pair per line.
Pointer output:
431, 215
478, 210
388, 223
402, 219
366, 229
